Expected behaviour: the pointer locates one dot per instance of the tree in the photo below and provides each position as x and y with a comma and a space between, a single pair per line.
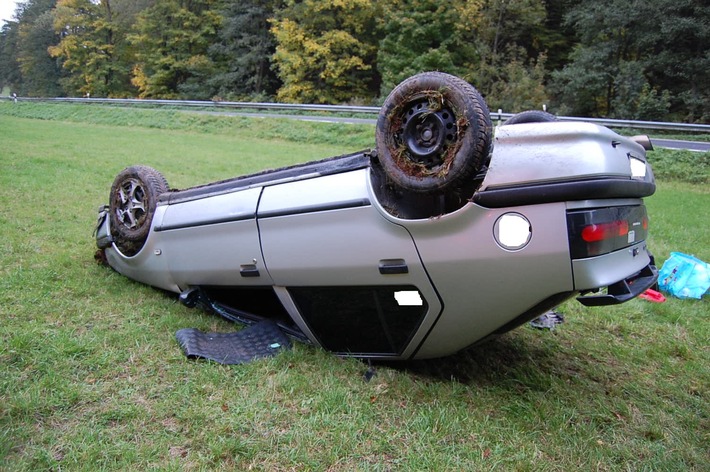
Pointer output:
41, 74
421, 35
171, 43
508, 36
676, 55
25, 64
554, 37
519, 85
243, 53
10, 74
587, 85
638, 60
325, 50
491, 43
90, 47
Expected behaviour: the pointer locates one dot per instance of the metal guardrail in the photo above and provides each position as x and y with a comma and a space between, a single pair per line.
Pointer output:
495, 116
209, 103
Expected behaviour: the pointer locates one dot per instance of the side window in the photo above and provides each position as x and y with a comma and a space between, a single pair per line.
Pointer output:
361, 320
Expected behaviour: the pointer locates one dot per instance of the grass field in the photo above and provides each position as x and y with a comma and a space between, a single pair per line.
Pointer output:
91, 377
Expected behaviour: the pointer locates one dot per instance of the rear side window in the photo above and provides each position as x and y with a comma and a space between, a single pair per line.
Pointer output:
361, 320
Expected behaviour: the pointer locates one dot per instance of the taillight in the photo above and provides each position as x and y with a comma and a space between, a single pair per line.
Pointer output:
603, 230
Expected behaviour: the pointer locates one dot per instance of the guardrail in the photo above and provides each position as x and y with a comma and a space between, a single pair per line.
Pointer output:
495, 116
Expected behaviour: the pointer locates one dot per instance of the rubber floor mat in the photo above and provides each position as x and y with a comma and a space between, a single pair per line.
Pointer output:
263, 339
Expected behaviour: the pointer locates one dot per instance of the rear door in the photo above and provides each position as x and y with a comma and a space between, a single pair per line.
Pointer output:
355, 278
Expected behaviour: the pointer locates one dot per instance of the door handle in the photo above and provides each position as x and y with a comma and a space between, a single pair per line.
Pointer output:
393, 266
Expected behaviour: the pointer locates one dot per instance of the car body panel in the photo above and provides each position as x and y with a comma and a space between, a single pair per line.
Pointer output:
462, 257
550, 152
214, 241
148, 266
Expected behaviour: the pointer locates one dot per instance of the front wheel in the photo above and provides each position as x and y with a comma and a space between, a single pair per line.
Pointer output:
134, 197
433, 133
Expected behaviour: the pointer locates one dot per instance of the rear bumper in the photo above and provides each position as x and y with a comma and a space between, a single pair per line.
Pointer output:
624, 290
564, 191
616, 277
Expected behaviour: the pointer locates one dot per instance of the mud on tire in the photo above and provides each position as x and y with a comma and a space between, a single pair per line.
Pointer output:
134, 197
433, 133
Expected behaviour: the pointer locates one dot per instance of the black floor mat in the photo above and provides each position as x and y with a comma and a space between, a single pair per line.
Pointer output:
263, 339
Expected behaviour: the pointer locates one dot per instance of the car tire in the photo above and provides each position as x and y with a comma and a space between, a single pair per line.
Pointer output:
530, 116
433, 133
134, 197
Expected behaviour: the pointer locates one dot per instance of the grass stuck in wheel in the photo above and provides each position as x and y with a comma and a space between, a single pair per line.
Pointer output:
91, 376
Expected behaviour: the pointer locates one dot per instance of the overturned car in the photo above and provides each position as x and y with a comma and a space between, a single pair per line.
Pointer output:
447, 233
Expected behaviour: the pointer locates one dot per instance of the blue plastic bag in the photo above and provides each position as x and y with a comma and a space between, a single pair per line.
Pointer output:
684, 276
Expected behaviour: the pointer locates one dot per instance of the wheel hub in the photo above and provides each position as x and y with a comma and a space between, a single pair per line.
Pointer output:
426, 132
131, 208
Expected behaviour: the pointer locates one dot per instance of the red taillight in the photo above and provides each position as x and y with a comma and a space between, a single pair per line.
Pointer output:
604, 231
600, 231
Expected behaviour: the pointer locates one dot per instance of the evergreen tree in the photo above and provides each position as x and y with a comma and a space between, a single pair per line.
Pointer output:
491, 43
171, 48
421, 35
25, 65
10, 74
41, 73
638, 60
509, 67
244, 50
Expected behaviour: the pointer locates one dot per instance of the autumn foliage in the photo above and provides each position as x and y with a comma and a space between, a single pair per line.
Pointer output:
611, 58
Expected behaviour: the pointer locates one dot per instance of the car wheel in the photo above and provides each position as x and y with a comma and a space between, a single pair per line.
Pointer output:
134, 196
433, 133
530, 116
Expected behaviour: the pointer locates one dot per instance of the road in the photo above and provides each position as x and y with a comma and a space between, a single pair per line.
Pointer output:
697, 146
688, 145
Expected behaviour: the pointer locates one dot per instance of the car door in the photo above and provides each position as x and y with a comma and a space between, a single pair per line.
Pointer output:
214, 241
355, 278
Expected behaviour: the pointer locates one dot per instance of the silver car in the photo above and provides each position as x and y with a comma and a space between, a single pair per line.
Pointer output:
448, 233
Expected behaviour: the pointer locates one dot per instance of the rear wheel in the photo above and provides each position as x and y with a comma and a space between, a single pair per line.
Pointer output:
530, 116
134, 196
433, 133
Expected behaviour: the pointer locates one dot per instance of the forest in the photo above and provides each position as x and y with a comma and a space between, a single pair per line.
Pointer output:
627, 59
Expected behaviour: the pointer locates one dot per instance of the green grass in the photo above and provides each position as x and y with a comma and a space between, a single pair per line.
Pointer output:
91, 376
355, 136
685, 166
